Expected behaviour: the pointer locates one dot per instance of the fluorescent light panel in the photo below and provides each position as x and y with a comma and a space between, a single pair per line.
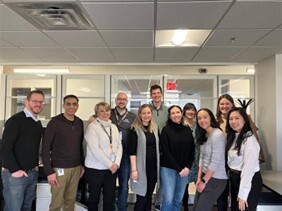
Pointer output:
251, 70
54, 71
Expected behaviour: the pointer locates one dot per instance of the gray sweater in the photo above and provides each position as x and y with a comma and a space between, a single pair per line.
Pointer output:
140, 187
213, 154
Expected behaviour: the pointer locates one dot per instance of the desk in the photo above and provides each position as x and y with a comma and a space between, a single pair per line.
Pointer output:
272, 180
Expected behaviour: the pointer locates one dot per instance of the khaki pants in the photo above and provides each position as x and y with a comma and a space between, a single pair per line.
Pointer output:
64, 195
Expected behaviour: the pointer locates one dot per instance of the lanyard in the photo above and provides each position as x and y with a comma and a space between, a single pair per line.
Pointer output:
121, 120
109, 135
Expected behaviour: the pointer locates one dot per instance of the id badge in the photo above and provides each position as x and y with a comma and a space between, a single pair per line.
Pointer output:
60, 171
113, 157
120, 135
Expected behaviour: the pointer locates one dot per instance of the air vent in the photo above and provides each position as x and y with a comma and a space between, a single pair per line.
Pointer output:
53, 16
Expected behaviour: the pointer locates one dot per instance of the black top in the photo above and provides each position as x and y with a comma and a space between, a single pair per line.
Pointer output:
62, 144
20, 143
177, 145
123, 123
151, 154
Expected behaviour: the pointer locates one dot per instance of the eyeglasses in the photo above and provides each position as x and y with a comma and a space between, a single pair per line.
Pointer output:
121, 99
71, 104
37, 102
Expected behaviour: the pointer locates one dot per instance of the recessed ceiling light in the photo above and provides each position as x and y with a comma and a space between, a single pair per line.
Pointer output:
251, 70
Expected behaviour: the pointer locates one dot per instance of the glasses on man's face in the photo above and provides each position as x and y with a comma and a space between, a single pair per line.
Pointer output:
37, 102
122, 99
71, 104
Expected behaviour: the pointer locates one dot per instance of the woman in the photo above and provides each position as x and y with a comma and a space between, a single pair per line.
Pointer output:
224, 104
178, 150
212, 178
243, 153
143, 149
103, 156
189, 120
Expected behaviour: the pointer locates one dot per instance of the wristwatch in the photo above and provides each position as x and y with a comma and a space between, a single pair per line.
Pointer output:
203, 180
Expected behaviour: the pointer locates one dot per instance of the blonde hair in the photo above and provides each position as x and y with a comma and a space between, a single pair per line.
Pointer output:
102, 104
137, 123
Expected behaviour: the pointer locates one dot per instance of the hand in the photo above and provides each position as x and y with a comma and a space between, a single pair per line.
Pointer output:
134, 175
200, 186
184, 172
114, 167
82, 171
53, 180
19, 173
242, 204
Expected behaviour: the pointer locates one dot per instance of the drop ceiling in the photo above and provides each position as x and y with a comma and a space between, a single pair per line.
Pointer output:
124, 32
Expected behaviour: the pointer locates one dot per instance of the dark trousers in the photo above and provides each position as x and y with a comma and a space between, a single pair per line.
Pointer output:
101, 180
144, 203
185, 196
222, 201
254, 194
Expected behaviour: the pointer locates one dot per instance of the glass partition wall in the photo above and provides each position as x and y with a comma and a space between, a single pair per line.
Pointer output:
202, 90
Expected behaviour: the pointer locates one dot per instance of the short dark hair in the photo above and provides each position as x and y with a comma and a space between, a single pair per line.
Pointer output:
70, 96
154, 87
34, 92
189, 106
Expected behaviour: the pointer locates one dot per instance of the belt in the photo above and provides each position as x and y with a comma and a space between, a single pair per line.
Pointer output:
28, 170
235, 171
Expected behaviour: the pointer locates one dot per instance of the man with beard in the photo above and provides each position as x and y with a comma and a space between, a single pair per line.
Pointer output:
123, 119
20, 150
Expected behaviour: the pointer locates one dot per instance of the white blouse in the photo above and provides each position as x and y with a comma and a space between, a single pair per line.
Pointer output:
247, 162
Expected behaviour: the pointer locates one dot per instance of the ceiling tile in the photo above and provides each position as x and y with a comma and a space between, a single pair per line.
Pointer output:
17, 55
217, 53
258, 53
10, 21
253, 15
244, 37
77, 38
93, 54
128, 38
272, 39
52, 54
133, 54
190, 15
121, 15
27, 39
181, 53
5, 44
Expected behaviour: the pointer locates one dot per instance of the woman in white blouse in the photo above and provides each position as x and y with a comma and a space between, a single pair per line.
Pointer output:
243, 161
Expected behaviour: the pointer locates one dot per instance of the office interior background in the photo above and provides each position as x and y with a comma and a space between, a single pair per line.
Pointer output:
110, 46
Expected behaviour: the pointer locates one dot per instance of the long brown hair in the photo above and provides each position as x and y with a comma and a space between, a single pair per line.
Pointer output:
218, 112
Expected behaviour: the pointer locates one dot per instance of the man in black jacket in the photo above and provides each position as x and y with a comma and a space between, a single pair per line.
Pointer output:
20, 152
62, 155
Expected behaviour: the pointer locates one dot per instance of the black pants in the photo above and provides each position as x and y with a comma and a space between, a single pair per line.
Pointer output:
101, 180
254, 194
222, 201
144, 203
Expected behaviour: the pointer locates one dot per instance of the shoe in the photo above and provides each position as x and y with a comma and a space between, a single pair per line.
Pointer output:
158, 207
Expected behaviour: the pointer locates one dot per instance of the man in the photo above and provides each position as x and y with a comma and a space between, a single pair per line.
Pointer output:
20, 153
62, 154
123, 119
160, 113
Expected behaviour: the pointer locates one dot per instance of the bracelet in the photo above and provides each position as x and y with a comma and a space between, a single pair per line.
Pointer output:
134, 171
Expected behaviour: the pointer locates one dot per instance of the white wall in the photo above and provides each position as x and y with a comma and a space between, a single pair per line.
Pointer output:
268, 105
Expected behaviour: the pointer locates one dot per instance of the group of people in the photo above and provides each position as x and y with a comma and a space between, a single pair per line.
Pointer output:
160, 148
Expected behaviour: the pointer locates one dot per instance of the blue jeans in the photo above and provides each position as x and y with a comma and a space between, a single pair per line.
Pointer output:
173, 189
123, 177
19, 193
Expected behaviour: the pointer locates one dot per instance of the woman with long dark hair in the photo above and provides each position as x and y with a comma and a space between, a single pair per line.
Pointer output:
243, 160
212, 177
